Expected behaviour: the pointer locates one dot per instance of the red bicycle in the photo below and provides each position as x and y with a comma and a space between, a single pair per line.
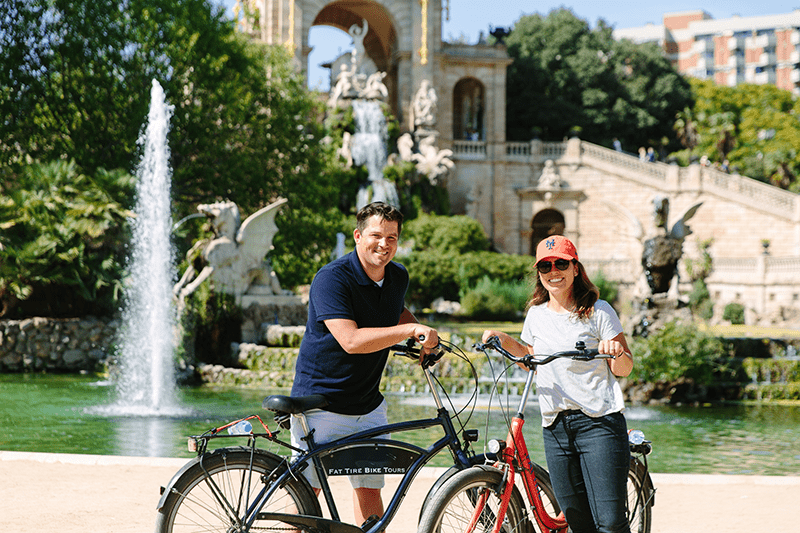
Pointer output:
487, 498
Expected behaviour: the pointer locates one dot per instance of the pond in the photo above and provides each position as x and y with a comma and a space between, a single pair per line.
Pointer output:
68, 414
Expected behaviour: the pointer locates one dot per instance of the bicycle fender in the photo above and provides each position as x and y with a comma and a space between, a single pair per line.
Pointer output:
647, 483
477, 461
167, 490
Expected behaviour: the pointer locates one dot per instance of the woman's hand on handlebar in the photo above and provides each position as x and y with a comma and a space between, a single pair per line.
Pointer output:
512, 345
611, 347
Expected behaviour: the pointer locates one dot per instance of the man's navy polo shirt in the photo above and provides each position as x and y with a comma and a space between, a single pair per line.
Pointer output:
341, 289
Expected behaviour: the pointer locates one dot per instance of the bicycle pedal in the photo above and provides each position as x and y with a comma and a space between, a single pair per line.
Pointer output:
369, 522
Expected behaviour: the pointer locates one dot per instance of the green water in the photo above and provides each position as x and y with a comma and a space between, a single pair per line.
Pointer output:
59, 414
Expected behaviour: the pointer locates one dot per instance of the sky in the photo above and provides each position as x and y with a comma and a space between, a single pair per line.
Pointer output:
469, 17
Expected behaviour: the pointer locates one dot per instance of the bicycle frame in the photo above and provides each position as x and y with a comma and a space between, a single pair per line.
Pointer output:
365, 441
380, 455
516, 451
513, 453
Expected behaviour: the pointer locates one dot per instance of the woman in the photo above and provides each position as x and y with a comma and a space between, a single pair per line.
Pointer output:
585, 434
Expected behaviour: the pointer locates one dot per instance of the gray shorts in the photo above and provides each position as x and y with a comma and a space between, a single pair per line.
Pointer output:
329, 426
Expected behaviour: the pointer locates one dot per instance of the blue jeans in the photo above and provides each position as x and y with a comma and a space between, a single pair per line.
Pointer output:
588, 459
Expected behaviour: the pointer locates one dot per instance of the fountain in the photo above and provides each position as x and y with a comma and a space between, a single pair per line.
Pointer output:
369, 148
146, 383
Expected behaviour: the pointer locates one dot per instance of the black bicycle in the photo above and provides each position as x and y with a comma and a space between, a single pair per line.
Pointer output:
249, 488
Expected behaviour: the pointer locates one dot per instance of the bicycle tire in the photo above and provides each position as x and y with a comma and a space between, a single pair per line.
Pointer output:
191, 506
640, 498
451, 509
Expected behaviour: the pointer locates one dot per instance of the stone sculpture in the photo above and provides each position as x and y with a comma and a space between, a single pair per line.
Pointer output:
424, 106
374, 89
359, 52
235, 259
550, 179
664, 247
343, 88
431, 161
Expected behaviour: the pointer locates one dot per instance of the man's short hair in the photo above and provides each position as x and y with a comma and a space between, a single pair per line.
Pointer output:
385, 211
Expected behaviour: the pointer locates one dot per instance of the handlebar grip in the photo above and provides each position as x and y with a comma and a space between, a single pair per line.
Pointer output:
432, 358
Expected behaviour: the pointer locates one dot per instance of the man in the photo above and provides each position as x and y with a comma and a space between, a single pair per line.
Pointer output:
356, 311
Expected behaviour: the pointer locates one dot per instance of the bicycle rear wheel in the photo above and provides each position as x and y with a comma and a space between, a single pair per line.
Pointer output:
211, 496
453, 508
640, 498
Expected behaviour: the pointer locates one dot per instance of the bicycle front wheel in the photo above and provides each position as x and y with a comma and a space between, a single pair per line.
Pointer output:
640, 498
213, 495
469, 502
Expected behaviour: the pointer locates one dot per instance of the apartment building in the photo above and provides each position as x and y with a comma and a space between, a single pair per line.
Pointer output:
761, 49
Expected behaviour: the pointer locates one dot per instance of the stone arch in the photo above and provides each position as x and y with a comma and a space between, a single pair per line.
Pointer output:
545, 223
469, 105
381, 41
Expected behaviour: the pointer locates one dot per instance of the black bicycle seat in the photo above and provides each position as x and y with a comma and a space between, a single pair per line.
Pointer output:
293, 404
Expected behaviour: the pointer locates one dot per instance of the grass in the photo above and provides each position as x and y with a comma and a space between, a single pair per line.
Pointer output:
755, 332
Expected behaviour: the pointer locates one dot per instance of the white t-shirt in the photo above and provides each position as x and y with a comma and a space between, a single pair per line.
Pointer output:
565, 384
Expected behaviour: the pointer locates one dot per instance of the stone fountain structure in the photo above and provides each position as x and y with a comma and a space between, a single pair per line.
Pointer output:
359, 85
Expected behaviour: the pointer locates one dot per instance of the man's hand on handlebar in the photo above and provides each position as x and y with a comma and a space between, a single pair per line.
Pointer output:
428, 338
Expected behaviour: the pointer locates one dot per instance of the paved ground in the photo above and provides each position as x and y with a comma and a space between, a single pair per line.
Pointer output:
109, 494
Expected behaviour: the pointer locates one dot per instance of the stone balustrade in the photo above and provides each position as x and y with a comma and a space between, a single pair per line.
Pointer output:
740, 187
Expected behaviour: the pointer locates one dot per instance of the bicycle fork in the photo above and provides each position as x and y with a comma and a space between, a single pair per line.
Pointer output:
516, 448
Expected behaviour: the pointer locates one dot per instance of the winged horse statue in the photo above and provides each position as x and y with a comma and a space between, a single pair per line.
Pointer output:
235, 259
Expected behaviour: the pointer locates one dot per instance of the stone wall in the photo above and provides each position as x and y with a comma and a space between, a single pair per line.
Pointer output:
56, 345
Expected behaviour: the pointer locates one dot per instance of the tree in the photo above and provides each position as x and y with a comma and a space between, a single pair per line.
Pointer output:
582, 78
61, 241
755, 127
76, 83
686, 128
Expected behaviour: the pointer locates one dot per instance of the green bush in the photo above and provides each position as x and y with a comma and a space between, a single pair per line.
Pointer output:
677, 351
446, 235
608, 289
507, 268
62, 240
734, 312
492, 299
432, 276
773, 370
448, 275
772, 392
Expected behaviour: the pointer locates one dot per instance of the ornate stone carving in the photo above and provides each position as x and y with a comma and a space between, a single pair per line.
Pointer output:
425, 105
235, 259
550, 179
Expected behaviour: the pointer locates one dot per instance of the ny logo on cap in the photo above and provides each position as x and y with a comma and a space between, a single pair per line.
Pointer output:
550, 244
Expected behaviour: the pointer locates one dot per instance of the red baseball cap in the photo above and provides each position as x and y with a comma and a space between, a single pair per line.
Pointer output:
556, 246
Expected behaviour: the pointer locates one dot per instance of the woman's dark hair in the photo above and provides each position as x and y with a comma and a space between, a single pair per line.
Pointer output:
385, 211
583, 290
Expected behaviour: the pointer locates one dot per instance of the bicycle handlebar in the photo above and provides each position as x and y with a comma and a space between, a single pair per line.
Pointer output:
409, 350
531, 361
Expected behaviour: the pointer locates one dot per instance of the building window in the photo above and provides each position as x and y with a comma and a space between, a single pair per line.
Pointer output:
468, 109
